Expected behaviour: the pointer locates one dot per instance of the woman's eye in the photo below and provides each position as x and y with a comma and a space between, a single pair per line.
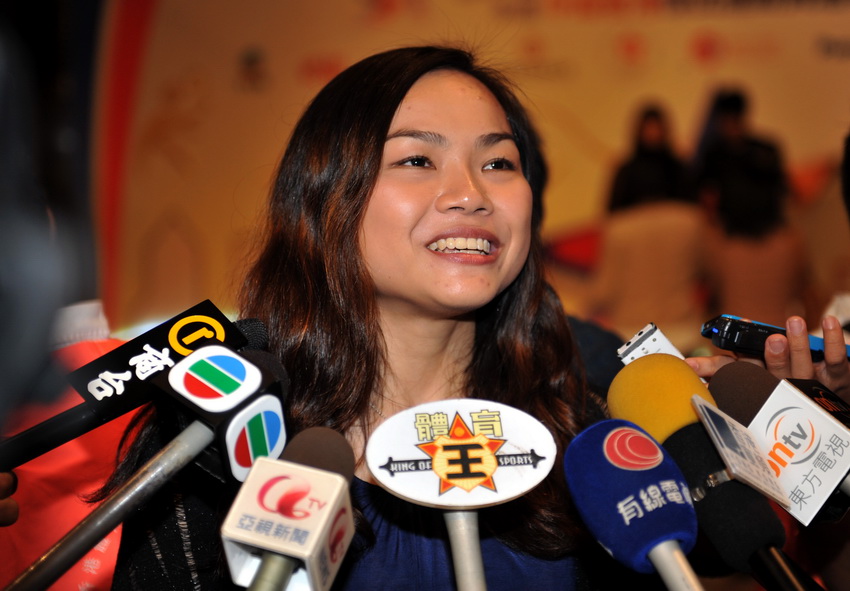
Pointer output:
420, 161
500, 164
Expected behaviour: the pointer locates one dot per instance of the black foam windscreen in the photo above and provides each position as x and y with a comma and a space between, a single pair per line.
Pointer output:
741, 389
255, 331
736, 518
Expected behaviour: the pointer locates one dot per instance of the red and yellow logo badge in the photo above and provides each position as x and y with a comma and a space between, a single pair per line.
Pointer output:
463, 459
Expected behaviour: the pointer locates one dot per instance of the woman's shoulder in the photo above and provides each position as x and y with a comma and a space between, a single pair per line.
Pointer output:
597, 348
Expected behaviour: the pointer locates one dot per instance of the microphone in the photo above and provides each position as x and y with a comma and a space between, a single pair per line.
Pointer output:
118, 382
461, 455
291, 522
634, 500
225, 394
655, 392
800, 426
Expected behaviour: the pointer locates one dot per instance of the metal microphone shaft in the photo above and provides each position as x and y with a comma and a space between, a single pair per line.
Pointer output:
776, 572
147, 480
466, 550
274, 572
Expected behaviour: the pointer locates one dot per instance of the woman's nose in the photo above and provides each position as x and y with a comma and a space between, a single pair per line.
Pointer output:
463, 192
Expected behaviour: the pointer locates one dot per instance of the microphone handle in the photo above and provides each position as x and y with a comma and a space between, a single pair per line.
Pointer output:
50, 434
107, 516
466, 549
274, 572
674, 569
776, 572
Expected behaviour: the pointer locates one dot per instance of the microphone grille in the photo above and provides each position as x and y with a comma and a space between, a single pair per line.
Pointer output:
255, 331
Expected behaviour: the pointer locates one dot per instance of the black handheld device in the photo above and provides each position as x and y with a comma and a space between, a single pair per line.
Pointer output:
733, 333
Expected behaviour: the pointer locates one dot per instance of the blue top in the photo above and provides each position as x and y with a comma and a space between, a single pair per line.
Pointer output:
412, 552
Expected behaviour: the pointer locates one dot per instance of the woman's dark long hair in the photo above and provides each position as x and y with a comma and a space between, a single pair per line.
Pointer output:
310, 285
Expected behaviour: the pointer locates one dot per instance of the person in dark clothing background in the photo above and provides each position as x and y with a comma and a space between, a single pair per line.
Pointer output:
653, 171
740, 175
757, 260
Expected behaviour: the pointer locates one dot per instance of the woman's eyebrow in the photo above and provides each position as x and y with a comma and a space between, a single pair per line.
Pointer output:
491, 139
432, 137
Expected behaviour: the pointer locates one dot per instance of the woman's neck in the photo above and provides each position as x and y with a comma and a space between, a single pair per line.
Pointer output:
426, 360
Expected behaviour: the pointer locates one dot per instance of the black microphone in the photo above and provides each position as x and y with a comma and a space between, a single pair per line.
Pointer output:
655, 392
226, 395
119, 381
305, 491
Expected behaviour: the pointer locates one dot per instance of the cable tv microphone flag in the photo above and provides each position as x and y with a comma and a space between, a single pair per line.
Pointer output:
291, 522
461, 455
120, 381
634, 500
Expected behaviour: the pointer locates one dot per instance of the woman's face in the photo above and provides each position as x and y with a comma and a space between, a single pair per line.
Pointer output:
448, 225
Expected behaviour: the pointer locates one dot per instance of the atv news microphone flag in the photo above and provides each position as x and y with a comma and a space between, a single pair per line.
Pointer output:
225, 393
461, 455
120, 381
291, 522
634, 499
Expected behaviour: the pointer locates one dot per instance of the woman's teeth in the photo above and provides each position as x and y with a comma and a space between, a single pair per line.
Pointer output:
465, 245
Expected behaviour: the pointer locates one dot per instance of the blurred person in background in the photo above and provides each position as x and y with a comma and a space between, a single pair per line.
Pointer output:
821, 547
53, 322
650, 252
653, 171
756, 260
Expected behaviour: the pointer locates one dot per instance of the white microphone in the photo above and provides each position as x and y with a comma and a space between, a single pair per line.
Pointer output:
461, 455
291, 522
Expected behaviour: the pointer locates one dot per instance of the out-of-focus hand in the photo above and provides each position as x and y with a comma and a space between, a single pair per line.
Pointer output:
789, 356
8, 505
705, 367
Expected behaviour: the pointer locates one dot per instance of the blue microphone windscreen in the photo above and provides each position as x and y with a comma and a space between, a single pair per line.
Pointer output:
629, 493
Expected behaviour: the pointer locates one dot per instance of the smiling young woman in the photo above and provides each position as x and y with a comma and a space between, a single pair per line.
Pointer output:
401, 262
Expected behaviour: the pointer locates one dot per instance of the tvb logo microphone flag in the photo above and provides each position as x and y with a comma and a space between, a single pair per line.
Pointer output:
217, 380
258, 437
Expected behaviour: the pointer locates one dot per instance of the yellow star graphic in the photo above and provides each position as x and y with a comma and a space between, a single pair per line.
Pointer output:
463, 459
